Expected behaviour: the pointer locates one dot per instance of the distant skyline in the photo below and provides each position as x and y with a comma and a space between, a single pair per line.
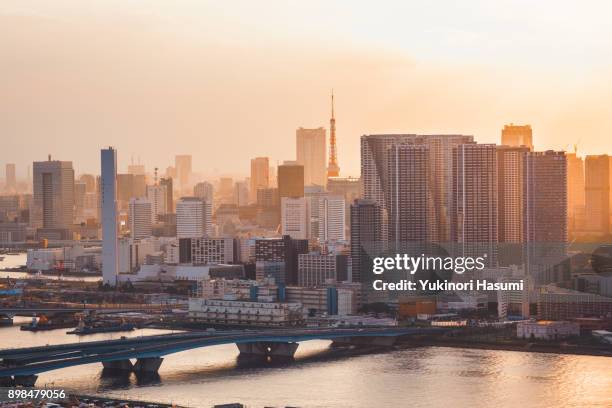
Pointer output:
227, 82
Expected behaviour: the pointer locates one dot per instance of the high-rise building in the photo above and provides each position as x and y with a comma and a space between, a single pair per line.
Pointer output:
53, 198
157, 195
241, 193
110, 255
510, 167
331, 218
474, 214
333, 168
517, 135
317, 270
182, 164
283, 250
575, 192
260, 176
167, 182
545, 211
311, 153
366, 237
408, 194
136, 169
374, 162
139, 217
10, 177
80, 190
130, 186
290, 180
349, 188
204, 191
597, 194
193, 218
90, 182
295, 217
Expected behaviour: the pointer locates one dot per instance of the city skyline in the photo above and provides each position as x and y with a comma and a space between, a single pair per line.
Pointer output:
162, 90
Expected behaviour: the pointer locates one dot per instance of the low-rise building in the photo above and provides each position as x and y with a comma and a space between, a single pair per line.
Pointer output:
231, 312
547, 330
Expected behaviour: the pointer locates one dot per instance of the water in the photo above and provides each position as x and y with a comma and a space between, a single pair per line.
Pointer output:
14, 261
424, 377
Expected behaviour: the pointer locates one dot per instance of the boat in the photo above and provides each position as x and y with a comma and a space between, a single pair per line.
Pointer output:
45, 324
1, 258
83, 329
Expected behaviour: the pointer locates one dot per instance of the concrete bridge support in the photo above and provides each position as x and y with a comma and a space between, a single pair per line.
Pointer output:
25, 380
368, 341
118, 365
148, 365
267, 349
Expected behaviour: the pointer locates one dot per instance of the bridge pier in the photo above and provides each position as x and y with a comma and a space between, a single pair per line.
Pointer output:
148, 365
25, 380
7, 382
267, 349
378, 341
118, 365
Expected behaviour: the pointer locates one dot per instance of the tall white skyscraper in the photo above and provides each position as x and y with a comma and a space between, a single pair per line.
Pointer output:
193, 217
140, 210
110, 262
332, 221
295, 217
311, 152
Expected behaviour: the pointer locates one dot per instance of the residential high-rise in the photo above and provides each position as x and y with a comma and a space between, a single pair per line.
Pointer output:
545, 211
139, 218
193, 218
510, 167
331, 218
295, 217
182, 164
408, 194
366, 237
597, 194
290, 180
575, 192
260, 176
10, 177
167, 182
374, 172
110, 253
311, 153
53, 195
333, 168
474, 214
517, 135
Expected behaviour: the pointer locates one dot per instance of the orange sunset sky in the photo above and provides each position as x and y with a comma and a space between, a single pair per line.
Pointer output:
229, 80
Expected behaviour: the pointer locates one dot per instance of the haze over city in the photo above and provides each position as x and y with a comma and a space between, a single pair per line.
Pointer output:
227, 82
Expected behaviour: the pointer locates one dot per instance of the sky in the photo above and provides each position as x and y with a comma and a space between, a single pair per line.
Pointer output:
226, 81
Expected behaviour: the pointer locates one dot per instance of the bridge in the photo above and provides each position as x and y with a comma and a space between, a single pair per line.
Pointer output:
54, 310
21, 366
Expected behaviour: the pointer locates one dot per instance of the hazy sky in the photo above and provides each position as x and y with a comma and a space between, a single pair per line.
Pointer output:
230, 80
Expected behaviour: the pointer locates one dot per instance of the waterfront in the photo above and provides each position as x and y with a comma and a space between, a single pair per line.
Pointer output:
17, 260
423, 377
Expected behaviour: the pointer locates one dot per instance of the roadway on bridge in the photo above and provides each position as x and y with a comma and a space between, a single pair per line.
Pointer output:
35, 360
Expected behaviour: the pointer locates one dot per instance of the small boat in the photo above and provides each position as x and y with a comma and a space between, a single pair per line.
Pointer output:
1, 258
